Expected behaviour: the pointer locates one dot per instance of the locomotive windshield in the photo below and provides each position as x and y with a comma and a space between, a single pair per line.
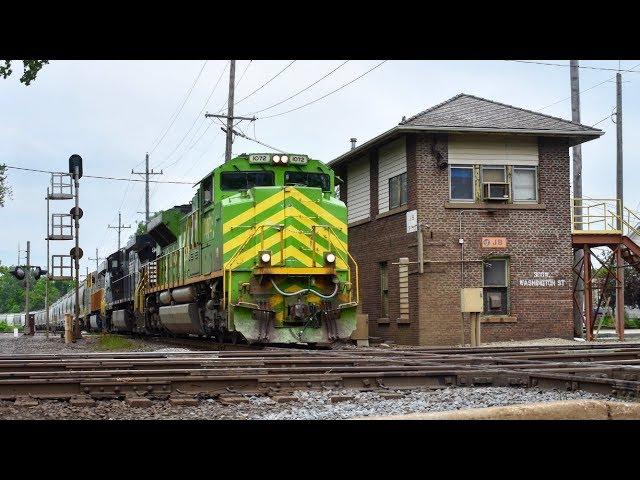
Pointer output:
308, 179
245, 180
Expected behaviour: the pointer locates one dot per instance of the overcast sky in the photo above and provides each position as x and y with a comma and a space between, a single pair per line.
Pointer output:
112, 112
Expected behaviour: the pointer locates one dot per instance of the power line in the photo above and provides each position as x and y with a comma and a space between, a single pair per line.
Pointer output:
587, 89
581, 92
258, 141
100, 177
177, 113
266, 83
198, 117
326, 95
236, 85
600, 121
303, 90
580, 66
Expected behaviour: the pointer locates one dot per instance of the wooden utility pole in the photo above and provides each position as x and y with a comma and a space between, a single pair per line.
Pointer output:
146, 174
620, 208
97, 259
577, 193
232, 84
619, 169
120, 227
229, 116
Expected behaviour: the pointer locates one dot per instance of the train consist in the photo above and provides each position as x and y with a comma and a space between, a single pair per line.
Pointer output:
259, 255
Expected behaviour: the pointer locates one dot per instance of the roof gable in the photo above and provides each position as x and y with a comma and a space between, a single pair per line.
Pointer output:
468, 111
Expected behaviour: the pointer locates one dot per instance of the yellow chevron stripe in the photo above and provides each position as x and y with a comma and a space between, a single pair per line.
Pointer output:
248, 214
289, 251
240, 239
320, 231
274, 239
318, 210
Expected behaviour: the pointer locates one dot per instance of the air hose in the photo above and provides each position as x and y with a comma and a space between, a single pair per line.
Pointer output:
304, 290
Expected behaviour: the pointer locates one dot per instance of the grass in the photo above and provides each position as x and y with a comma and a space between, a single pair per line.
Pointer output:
110, 343
5, 327
607, 322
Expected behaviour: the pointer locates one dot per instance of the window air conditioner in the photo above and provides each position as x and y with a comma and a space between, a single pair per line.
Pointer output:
496, 191
495, 300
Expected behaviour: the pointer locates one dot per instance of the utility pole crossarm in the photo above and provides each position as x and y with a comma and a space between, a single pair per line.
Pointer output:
119, 227
250, 119
146, 174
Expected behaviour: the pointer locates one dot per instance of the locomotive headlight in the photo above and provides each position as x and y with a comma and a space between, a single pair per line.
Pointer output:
265, 258
276, 159
330, 258
284, 159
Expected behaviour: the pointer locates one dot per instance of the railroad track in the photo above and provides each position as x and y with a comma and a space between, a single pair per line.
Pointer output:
612, 369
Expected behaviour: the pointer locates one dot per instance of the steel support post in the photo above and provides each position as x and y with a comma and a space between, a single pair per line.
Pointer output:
619, 294
588, 292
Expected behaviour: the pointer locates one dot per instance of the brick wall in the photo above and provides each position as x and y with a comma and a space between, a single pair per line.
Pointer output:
538, 241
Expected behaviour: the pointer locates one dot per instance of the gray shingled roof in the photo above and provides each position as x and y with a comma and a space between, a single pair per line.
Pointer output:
468, 111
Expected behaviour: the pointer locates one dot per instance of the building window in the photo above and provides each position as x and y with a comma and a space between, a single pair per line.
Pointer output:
398, 190
384, 290
461, 183
525, 184
495, 277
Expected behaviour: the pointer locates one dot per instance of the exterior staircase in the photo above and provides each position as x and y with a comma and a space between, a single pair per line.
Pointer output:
597, 223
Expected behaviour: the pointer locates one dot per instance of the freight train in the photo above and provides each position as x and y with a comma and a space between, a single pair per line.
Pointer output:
259, 255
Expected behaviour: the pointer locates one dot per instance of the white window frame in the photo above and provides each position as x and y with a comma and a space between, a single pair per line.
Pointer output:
535, 186
473, 184
506, 286
406, 184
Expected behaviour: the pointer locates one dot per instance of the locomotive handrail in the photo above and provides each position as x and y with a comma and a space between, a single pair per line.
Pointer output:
355, 264
226, 267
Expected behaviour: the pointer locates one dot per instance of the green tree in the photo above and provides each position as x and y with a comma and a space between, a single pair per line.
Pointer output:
12, 292
5, 190
30, 72
142, 228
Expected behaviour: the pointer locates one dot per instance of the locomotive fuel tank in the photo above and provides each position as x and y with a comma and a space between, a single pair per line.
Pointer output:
120, 321
181, 319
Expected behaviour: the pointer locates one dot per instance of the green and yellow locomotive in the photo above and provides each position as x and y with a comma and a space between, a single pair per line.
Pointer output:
260, 255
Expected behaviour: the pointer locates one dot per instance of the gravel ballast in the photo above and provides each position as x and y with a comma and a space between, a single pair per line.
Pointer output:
306, 405
38, 343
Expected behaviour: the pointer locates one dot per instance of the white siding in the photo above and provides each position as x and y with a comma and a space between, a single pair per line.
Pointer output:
358, 190
492, 150
392, 161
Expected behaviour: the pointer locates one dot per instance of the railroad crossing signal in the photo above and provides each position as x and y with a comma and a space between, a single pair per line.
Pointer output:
20, 273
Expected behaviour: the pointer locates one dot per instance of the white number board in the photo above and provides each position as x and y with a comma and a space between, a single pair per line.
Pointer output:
412, 221
298, 159
260, 158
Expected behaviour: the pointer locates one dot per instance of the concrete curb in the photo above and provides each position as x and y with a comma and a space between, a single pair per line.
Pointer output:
563, 410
